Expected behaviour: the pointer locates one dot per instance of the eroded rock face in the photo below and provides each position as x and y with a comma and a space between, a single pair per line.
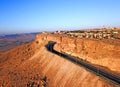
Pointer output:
100, 52
63, 73
32, 65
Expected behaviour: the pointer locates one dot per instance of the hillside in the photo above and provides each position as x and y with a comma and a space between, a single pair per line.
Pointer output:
31, 65
103, 52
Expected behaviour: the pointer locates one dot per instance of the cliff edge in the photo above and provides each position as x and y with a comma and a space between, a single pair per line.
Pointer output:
105, 53
32, 65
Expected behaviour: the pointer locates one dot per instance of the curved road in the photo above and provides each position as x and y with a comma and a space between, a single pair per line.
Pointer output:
103, 73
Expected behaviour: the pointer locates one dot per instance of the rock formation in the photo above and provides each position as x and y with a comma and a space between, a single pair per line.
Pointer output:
105, 52
31, 65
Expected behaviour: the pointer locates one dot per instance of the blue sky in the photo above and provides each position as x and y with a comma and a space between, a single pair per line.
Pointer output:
18, 16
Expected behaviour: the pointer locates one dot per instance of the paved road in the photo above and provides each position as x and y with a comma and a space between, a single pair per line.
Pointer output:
103, 73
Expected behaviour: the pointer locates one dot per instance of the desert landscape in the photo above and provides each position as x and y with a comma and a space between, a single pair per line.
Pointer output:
13, 40
59, 43
32, 65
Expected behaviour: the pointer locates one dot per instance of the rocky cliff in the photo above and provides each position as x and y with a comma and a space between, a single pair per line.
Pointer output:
31, 65
104, 52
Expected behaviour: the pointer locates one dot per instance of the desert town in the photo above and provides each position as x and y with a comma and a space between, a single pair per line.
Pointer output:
105, 33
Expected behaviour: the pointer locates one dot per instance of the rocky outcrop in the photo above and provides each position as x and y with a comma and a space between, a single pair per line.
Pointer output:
32, 65
100, 52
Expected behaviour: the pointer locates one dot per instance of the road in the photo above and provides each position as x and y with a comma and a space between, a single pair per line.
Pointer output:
98, 71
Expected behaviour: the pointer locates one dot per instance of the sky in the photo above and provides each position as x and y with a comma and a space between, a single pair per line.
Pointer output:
21, 16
